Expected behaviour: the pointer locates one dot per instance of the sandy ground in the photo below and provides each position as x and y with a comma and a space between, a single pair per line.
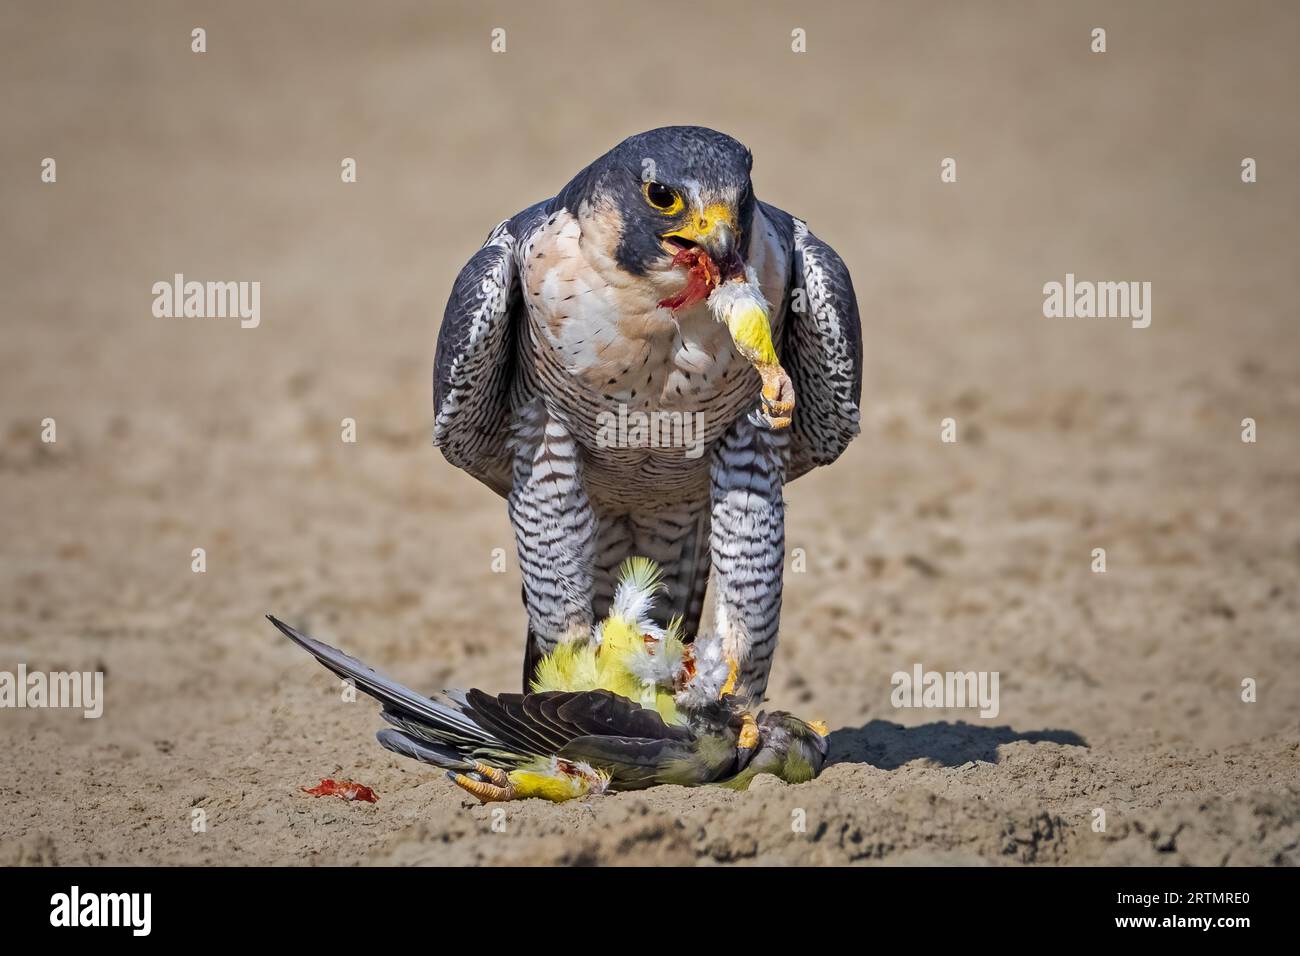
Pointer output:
1119, 691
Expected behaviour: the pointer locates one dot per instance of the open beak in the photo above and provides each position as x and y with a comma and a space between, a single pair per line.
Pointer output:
714, 230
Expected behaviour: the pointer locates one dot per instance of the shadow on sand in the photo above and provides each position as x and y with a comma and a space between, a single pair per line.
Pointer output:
889, 746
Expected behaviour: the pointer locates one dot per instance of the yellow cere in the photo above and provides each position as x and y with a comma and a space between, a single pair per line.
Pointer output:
714, 214
698, 228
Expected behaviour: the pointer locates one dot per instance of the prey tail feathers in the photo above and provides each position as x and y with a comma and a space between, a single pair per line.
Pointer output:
428, 726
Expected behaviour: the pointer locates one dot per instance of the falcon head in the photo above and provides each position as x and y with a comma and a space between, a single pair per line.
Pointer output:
660, 193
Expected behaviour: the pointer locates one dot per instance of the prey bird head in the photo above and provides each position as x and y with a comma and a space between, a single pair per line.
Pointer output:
679, 189
792, 749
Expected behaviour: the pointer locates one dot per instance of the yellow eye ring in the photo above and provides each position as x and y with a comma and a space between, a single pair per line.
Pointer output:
662, 199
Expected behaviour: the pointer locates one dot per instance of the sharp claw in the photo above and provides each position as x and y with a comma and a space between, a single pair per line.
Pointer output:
749, 737
485, 792
493, 774
774, 419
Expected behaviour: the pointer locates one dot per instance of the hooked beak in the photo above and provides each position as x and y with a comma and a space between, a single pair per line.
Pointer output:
821, 737
744, 754
714, 230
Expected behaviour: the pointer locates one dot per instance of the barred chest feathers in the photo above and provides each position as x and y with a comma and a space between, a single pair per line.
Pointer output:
598, 342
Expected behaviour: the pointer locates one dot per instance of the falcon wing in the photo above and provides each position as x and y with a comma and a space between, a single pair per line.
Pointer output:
475, 360
821, 348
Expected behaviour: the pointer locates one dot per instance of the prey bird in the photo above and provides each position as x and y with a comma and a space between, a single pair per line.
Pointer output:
633, 707
655, 284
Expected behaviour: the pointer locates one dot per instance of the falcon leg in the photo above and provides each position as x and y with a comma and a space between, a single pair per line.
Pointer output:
748, 547
555, 533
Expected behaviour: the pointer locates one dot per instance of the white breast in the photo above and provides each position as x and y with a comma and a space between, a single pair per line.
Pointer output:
599, 341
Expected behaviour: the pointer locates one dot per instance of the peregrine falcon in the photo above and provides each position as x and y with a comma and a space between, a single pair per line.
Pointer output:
573, 311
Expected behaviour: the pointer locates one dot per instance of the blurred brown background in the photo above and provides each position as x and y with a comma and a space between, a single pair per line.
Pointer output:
1074, 434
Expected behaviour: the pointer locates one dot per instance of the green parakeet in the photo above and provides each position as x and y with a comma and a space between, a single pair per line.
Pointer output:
634, 707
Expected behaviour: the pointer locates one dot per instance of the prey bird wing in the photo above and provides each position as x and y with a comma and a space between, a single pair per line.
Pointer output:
504, 716
511, 729
384, 689
561, 744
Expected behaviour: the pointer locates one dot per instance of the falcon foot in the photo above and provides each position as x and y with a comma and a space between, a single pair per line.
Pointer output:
733, 671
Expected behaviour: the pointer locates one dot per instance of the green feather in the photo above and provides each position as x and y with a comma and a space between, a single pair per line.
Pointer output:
642, 574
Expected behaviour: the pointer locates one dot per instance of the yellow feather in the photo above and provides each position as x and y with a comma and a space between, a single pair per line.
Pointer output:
575, 666
666, 705
556, 787
571, 666
749, 328
641, 573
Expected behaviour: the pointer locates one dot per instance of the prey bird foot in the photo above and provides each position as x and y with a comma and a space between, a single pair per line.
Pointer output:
495, 789
493, 774
777, 399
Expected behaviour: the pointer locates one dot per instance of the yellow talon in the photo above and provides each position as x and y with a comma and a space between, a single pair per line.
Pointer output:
495, 775
748, 738
820, 727
733, 671
486, 792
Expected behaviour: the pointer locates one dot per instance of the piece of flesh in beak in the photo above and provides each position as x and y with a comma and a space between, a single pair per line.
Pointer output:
739, 304
702, 276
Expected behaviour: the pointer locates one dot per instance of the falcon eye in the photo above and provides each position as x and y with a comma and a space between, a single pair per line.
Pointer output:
662, 197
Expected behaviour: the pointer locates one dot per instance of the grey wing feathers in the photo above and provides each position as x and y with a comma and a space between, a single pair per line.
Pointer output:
821, 349
475, 359
422, 750
509, 728
632, 762
553, 718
